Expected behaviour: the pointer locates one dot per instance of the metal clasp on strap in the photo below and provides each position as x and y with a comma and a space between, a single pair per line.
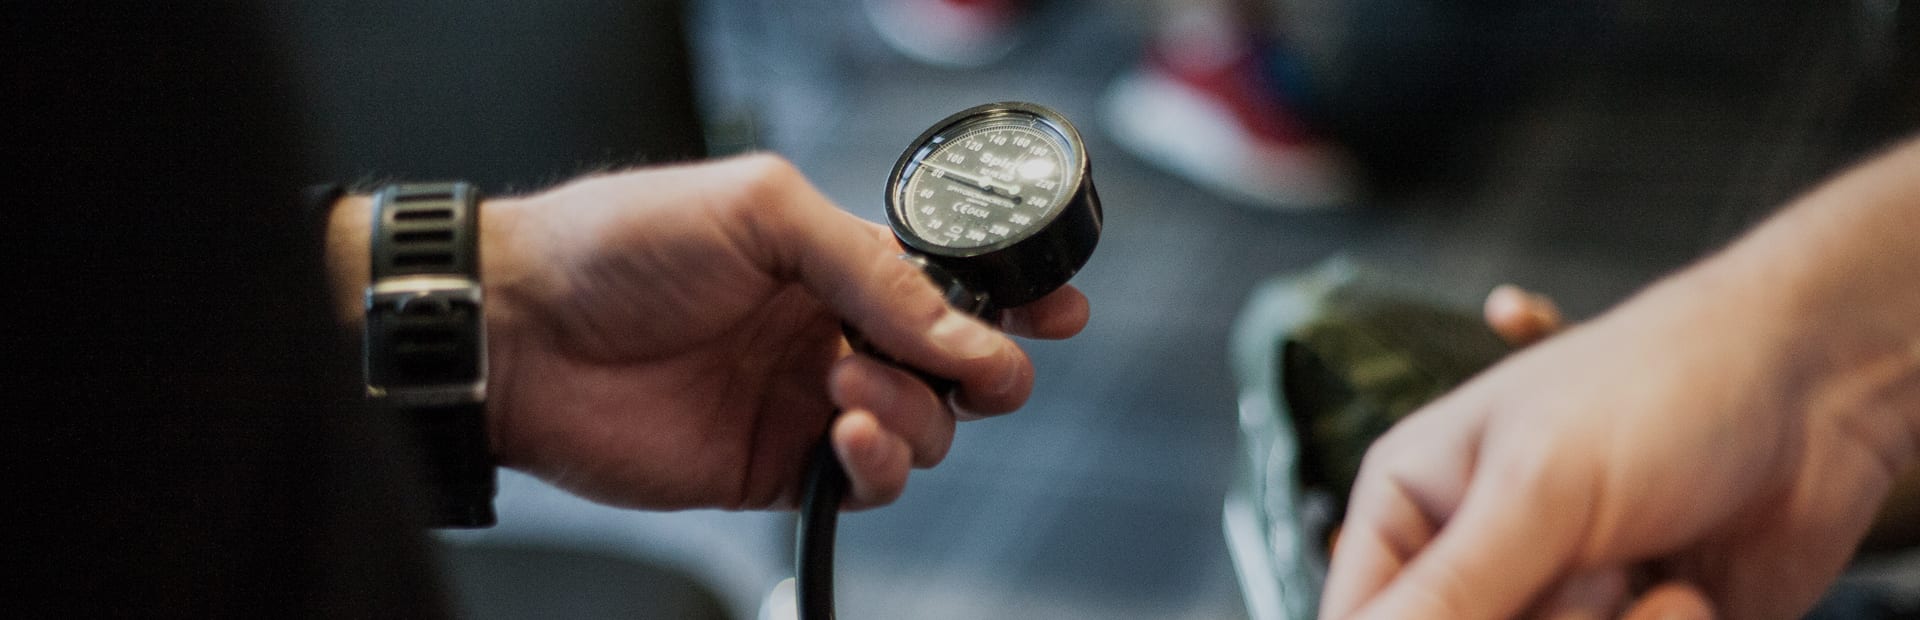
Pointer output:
426, 341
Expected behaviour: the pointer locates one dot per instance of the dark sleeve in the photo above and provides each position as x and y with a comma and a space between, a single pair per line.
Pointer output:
183, 435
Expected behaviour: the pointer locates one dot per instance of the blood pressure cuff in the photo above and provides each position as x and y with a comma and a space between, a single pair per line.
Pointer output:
1326, 361
1368, 353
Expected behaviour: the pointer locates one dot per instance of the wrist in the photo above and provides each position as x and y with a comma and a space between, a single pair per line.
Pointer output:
349, 240
1833, 278
349, 235
425, 334
1736, 337
1856, 368
504, 281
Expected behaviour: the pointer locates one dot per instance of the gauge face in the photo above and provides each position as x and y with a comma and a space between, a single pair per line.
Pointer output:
986, 181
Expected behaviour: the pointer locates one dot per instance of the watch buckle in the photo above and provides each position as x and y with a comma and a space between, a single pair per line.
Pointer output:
394, 306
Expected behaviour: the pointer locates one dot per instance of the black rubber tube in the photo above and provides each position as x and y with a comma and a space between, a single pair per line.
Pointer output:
826, 481
819, 519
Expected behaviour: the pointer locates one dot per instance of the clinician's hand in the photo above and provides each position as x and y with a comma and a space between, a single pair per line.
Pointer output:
1718, 444
671, 338
1637, 438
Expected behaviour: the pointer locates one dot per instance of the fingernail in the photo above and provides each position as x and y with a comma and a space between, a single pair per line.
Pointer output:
1007, 379
963, 337
1507, 296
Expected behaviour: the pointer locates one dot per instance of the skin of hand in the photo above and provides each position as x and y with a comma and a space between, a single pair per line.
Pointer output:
1716, 445
671, 338
1523, 318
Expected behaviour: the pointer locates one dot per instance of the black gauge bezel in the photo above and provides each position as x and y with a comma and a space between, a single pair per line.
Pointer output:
1022, 267
937, 136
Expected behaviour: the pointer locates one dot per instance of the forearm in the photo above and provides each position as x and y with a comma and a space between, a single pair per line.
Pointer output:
1837, 279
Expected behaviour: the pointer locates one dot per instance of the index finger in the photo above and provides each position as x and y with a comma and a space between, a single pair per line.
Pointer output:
1060, 314
1510, 536
1410, 482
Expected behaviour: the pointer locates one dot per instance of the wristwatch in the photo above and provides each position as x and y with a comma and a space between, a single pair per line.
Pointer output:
426, 348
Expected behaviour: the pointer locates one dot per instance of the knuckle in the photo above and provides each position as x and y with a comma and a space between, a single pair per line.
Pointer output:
768, 169
768, 177
1388, 453
762, 181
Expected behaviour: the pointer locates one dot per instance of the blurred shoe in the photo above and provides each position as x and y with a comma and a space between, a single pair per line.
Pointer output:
949, 33
1204, 106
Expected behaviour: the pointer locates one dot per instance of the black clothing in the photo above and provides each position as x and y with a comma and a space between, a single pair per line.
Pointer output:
182, 437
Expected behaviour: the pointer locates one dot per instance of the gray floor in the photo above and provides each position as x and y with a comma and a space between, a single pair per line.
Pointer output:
1627, 155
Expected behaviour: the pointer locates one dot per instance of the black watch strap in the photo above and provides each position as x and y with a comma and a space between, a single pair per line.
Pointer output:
426, 340
457, 462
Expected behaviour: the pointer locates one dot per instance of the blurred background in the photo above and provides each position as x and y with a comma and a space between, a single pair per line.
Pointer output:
1581, 148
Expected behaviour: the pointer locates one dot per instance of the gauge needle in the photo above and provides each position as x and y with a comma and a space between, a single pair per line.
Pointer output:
983, 184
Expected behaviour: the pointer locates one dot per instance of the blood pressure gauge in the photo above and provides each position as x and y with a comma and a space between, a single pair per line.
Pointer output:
1000, 197
996, 205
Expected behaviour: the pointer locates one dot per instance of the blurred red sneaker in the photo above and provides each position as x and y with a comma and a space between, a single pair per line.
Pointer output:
1203, 106
951, 33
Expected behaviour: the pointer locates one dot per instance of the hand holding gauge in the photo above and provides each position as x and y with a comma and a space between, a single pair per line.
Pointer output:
996, 204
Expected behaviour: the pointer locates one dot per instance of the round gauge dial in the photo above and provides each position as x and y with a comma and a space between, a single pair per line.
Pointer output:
1000, 197
988, 180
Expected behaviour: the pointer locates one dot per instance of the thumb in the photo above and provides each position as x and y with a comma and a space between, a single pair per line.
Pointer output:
854, 267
